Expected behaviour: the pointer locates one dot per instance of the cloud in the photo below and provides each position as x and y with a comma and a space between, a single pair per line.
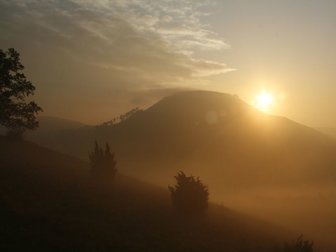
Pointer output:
119, 44
134, 34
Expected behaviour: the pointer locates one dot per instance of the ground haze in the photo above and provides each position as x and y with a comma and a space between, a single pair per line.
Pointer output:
263, 165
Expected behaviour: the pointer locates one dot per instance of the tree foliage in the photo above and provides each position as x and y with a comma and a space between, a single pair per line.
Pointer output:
16, 114
189, 196
299, 245
103, 163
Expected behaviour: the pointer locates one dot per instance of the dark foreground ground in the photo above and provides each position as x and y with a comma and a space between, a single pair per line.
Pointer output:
48, 202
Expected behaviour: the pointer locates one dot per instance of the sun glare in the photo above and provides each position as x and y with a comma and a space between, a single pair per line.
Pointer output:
264, 101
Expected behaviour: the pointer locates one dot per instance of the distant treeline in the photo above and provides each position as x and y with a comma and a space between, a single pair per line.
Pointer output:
121, 118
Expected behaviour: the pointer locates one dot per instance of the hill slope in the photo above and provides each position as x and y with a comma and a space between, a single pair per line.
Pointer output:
192, 130
48, 202
49, 124
328, 131
261, 164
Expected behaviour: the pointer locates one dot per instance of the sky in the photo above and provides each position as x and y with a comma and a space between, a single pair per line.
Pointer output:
93, 60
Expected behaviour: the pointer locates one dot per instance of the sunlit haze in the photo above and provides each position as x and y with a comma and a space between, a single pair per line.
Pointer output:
264, 101
92, 60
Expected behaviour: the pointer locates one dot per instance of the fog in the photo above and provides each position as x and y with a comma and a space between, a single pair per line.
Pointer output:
138, 125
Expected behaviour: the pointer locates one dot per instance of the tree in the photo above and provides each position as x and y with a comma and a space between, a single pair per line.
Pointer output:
103, 163
189, 196
16, 114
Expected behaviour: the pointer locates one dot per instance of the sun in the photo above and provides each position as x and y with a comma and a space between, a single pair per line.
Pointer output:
264, 101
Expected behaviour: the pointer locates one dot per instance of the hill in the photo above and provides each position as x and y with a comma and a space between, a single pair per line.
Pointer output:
48, 202
328, 131
192, 130
262, 164
49, 124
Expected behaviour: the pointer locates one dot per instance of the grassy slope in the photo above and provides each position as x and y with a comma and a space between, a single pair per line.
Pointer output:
48, 202
260, 164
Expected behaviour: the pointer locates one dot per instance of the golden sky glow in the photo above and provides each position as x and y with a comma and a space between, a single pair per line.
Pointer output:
112, 56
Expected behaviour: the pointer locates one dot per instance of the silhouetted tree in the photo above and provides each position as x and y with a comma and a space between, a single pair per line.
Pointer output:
299, 245
189, 196
16, 114
103, 163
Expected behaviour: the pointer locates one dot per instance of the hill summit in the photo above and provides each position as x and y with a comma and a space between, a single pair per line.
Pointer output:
212, 134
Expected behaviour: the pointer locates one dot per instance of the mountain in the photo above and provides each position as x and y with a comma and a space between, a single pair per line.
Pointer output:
49, 124
192, 130
262, 164
328, 131
48, 202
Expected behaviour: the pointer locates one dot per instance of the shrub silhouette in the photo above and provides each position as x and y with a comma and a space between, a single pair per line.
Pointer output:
103, 163
299, 245
16, 114
189, 196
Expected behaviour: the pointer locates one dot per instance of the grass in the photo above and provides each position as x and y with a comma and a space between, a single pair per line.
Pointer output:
48, 202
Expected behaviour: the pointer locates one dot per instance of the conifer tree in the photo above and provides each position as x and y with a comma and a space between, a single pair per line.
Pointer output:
103, 163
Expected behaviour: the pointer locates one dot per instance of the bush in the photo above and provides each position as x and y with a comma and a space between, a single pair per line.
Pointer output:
299, 245
189, 196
